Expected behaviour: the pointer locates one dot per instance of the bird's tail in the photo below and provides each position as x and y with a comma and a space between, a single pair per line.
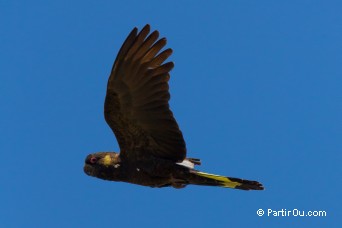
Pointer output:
201, 178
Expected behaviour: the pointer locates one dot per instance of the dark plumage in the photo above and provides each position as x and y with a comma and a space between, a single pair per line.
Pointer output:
152, 148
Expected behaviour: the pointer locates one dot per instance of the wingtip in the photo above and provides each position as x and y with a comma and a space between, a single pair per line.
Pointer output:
133, 32
147, 28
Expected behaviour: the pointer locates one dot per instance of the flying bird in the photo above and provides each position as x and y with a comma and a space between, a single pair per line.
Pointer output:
152, 147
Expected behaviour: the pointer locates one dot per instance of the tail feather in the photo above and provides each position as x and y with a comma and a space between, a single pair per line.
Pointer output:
226, 182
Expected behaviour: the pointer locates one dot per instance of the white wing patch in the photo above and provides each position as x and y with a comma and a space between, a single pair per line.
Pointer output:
187, 163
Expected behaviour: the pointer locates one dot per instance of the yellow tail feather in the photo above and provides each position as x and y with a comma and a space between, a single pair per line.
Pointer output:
229, 182
226, 182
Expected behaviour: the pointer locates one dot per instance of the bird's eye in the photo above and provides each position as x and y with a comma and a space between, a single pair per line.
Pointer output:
93, 160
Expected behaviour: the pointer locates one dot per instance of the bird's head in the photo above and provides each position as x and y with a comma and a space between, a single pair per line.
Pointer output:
104, 165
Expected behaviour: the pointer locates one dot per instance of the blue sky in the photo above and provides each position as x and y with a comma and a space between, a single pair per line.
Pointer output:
256, 90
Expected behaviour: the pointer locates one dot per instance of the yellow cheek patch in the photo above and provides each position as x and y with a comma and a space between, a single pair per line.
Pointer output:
107, 160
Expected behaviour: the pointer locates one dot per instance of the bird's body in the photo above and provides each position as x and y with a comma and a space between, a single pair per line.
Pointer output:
152, 148
158, 173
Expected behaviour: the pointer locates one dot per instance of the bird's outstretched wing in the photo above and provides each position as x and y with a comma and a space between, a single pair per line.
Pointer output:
136, 105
